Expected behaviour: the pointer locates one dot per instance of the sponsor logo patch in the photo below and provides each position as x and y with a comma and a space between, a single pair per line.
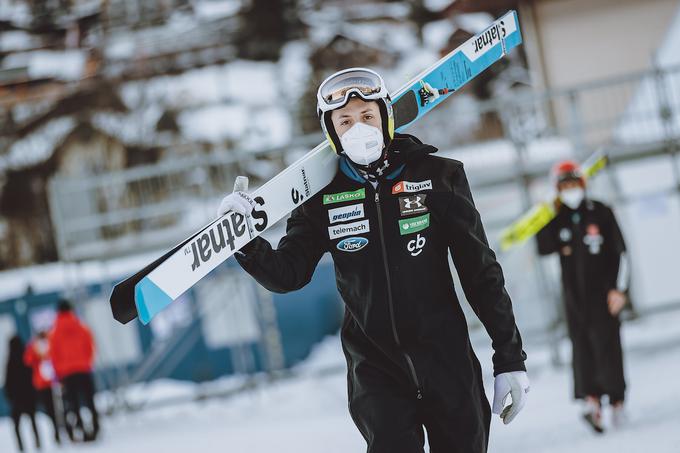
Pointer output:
490, 37
348, 229
222, 235
415, 246
593, 239
414, 224
407, 186
565, 235
414, 204
344, 213
331, 198
353, 244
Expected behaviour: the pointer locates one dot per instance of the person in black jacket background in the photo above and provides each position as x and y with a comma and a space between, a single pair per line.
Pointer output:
587, 237
19, 390
389, 219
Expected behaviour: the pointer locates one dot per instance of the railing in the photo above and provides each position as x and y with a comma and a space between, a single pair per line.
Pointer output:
633, 118
154, 206
149, 207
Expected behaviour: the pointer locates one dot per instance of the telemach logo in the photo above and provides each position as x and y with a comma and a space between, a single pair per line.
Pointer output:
223, 234
490, 37
348, 229
331, 198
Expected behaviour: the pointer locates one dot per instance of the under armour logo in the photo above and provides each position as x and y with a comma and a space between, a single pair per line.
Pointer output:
415, 246
413, 202
382, 169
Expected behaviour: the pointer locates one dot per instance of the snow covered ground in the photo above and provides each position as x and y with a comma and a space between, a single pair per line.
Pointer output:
309, 414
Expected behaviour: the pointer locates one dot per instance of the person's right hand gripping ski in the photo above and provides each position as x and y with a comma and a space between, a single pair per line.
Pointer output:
238, 201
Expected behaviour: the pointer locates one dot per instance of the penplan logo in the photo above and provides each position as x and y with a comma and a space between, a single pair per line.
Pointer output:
353, 244
354, 211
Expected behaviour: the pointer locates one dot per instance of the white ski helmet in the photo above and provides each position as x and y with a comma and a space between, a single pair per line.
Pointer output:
337, 90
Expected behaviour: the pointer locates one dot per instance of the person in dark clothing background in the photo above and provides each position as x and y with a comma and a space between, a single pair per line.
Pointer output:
592, 253
37, 356
389, 219
72, 352
19, 390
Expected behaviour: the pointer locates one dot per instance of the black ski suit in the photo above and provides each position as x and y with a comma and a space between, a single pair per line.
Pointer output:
409, 358
590, 245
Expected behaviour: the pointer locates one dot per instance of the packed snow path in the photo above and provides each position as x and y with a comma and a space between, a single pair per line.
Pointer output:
309, 413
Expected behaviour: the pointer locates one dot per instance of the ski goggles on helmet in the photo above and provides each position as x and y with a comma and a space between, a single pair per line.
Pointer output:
336, 90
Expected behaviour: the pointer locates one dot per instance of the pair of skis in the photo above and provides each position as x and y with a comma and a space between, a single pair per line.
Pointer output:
153, 288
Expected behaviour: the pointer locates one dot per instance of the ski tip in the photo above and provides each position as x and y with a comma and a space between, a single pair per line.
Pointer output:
150, 300
122, 303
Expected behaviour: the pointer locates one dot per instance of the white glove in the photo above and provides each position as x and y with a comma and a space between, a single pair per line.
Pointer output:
238, 201
515, 384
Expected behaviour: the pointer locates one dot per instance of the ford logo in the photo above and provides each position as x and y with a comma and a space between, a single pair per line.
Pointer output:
353, 244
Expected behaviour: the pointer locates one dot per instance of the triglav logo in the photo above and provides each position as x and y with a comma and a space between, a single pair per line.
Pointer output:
406, 186
353, 244
354, 211
223, 234
415, 246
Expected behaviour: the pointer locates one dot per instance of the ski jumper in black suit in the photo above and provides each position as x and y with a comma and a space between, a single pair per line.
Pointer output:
409, 358
590, 245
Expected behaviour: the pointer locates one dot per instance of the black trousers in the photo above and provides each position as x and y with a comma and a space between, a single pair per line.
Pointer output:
16, 418
46, 400
598, 360
392, 419
78, 392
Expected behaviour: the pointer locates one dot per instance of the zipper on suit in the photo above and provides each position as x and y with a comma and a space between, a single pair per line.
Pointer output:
390, 302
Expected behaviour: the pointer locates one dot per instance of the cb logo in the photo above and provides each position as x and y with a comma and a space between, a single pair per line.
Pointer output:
415, 246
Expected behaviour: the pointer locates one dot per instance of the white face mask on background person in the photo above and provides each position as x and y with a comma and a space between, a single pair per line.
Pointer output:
362, 143
572, 197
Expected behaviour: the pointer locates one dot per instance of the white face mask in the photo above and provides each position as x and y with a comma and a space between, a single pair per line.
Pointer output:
362, 143
572, 197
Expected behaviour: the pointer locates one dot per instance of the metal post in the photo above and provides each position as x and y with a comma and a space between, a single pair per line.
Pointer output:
576, 125
272, 344
519, 137
666, 116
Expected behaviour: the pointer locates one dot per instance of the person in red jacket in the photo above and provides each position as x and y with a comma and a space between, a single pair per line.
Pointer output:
72, 352
37, 357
